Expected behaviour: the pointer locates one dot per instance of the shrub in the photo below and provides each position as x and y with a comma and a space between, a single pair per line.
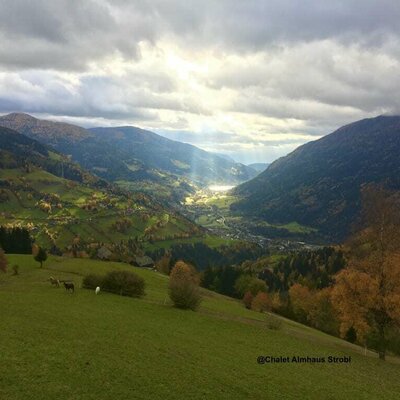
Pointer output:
273, 322
91, 281
184, 295
124, 283
184, 288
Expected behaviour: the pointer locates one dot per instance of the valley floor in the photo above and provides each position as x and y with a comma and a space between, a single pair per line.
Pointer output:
56, 345
211, 210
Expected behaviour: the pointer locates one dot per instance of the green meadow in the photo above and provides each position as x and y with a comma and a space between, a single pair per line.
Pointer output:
57, 345
71, 219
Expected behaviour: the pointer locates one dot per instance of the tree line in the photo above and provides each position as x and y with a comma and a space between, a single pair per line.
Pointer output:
15, 240
202, 256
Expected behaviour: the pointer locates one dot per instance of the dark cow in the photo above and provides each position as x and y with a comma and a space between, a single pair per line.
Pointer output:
69, 286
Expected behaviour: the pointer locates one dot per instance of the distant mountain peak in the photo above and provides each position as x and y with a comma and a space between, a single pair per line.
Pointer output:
19, 115
45, 131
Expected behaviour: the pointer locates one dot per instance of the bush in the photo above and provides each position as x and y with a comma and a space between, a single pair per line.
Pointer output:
124, 283
184, 295
273, 322
91, 281
184, 288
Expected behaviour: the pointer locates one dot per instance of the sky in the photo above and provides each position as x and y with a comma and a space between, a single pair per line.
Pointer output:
251, 79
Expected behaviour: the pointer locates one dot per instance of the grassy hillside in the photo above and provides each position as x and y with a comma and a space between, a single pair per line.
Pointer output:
82, 346
59, 201
80, 210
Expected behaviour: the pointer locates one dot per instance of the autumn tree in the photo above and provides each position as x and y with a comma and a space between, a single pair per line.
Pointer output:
301, 301
3, 261
321, 313
184, 288
41, 256
276, 303
261, 302
162, 265
367, 292
248, 299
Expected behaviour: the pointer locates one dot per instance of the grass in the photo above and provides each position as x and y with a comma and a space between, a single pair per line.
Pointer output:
81, 346
211, 206
295, 227
21, 208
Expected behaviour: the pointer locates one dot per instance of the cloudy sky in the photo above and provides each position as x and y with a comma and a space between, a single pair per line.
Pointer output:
253, 79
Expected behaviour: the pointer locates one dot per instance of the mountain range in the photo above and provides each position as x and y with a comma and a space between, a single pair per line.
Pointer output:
319, 183
135, 158
63, 205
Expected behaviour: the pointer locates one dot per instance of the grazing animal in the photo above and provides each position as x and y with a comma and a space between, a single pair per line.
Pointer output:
98, 290
55, 282
69, 286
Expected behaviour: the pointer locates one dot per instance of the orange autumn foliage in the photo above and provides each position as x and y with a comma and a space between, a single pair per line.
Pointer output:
184, 286
301, 300
261, 302
184, 272
367, 293
248, 299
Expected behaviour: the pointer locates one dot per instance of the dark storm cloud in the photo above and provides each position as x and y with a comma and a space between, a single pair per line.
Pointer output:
277, 73
67, 34
64, 34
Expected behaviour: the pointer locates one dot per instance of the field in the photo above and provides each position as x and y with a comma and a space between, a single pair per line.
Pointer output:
56, 345
57, 210
212, 211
